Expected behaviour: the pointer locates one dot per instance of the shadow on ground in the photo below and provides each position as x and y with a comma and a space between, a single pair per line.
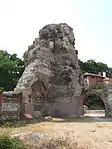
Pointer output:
19, 123
85, 119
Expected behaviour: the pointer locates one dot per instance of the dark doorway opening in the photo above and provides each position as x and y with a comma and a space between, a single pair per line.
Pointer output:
94, 106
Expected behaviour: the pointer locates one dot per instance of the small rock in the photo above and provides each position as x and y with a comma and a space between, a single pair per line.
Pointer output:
48, 118
92, 130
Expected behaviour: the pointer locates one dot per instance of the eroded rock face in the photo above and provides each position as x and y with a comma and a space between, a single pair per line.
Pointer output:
52, 81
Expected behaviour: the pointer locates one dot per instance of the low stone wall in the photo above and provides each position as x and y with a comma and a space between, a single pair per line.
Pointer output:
10, 106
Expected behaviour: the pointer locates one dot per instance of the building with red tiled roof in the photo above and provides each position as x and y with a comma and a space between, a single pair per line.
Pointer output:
93, 79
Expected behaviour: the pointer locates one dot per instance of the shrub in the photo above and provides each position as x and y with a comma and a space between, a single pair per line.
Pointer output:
7, 142
99, 85
8, 124
1, 89
94, 102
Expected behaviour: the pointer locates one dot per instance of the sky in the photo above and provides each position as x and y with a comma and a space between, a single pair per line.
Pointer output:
21, 20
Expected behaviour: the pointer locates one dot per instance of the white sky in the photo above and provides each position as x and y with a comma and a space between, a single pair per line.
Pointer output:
20, 21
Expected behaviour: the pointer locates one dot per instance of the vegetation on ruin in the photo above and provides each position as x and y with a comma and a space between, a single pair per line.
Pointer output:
94, 102
100, 85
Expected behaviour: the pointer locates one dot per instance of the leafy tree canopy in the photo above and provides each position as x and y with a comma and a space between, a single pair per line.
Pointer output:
92, 66
11, 68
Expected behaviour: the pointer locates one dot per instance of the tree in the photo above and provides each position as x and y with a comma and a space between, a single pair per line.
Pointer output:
11, 68
95, 67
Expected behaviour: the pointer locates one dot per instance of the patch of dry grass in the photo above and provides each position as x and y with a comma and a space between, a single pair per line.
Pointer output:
64, 142
51, 142
89, 135
58, 143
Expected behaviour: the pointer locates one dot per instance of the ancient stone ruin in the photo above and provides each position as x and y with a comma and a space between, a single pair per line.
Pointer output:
52, 82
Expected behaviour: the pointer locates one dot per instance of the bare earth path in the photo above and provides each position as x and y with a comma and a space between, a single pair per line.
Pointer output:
92, 133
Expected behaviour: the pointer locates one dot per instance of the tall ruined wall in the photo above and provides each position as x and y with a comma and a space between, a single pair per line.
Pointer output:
52, 81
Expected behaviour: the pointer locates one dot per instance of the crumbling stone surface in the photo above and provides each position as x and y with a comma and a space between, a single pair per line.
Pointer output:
52, 81
105, 95
10, 108
108, 105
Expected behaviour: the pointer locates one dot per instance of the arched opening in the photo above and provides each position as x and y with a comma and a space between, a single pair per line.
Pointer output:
37, 94
94, 106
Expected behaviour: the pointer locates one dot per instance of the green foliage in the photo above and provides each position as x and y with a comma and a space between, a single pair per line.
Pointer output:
66, 142
11, 68
1, 89
94, 102
7, 142
8, 124
91, 66
99, 85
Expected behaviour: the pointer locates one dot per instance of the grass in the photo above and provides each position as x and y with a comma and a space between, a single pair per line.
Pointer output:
53, 142
57, 143
81, 128
7, 142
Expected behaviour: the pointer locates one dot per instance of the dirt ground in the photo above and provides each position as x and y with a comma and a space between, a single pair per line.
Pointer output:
92, 135
90, 132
